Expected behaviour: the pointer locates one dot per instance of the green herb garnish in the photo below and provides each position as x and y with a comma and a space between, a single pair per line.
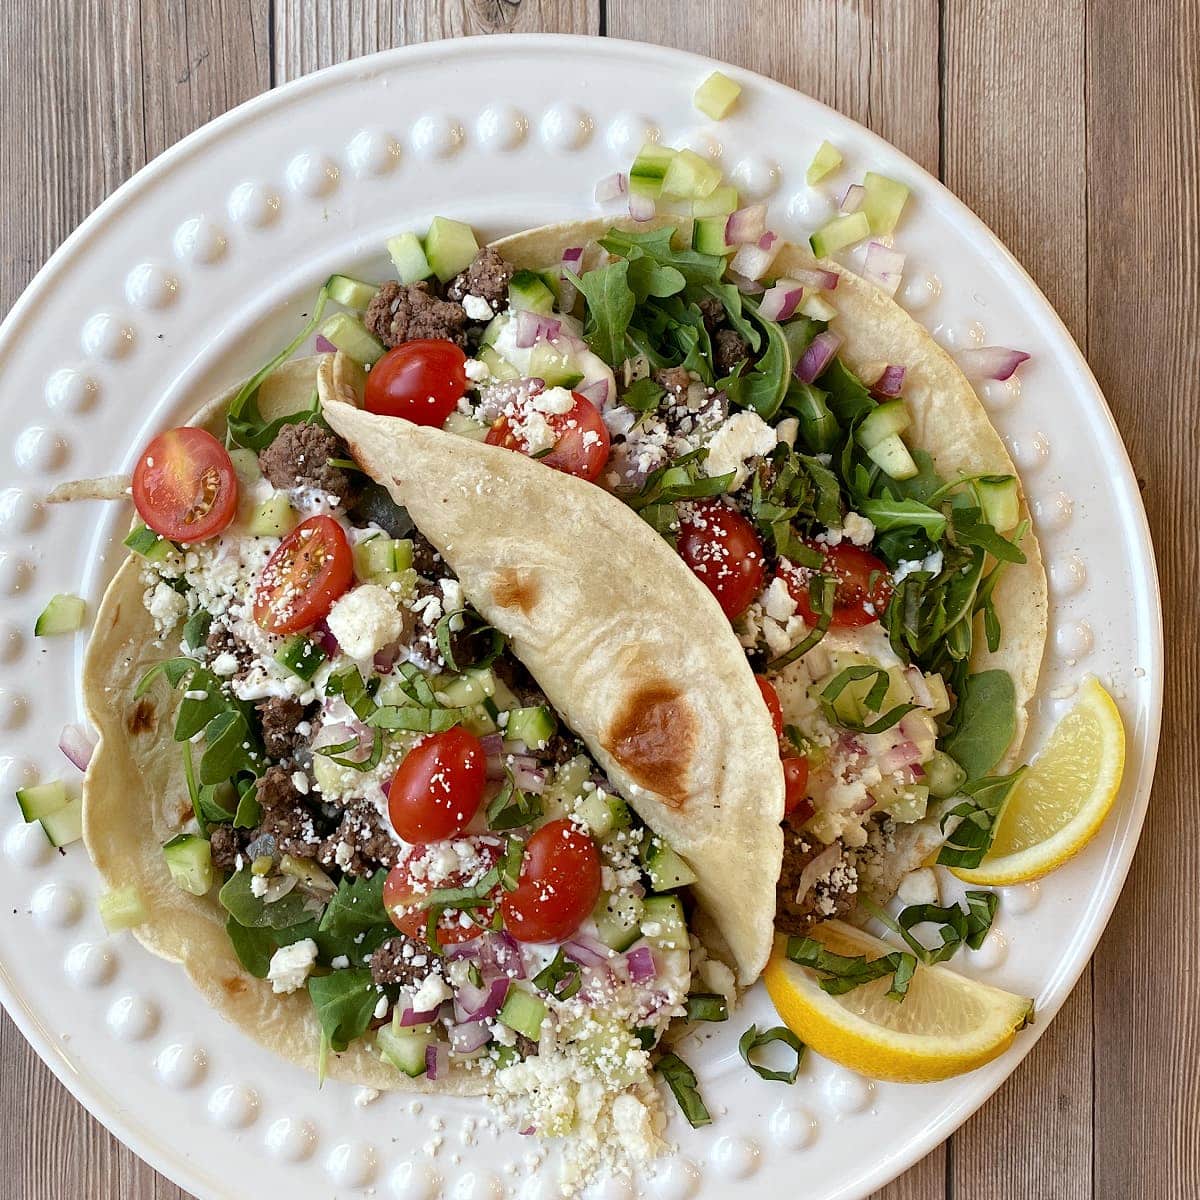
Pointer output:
681, 1079
977, 815
707, 1006
843, 973
752, 1040
560, 971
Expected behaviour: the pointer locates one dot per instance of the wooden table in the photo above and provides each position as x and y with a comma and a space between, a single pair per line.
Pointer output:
1071, 127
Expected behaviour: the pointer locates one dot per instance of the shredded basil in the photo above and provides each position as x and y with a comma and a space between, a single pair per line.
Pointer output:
681, 1079
752, 1040
414, 719
512, 808
369, 763
843, 973
707, 1006
560, 971
443, 632
957, 926
977, 815
871, 701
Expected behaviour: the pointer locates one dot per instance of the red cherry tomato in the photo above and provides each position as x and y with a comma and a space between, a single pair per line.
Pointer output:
771, 699
582, 442
420, 381
308, 571
438, 787
795, 788
184, 485
406, 887
558, 887
863, 590
725, 553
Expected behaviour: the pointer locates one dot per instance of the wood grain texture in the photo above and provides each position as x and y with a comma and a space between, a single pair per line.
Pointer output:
1071, 129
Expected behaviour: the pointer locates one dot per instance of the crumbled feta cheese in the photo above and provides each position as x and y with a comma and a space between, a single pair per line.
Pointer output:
167, 607
906, 566
919, 887
340, 963
365, 620
365, 1096
225, 664
381, 1009
343, 854
556, 401
291, 965
452, 595
475, 370
742, 436
778, 601
477, 308
258, 885
431, 993
300, 782
858, 529
537, 433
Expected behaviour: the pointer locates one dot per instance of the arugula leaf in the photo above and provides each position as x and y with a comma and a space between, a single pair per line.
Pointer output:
643, 395
968, 529
818, 428
253, 912
647, 278
195, 629
764, 387
229, 747
887, 514
985, 721
355, 921
610, 304
249, 811
656, 244
731, 301
843, 973
254, 947
847, 396
977, 815
924, 486
344, 1002
752, 1040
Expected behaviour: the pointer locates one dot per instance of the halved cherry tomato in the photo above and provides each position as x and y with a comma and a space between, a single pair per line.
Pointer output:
725, 553
581, 438
407, 886
421, 381
308, 571
438, 787
795, 788
771, 699
184, 485
863, 590
558, 887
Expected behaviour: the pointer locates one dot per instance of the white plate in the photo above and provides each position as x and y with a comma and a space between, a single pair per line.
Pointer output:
185, 279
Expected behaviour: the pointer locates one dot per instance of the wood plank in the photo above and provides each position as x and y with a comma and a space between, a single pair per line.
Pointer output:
1143, 63
1013, 149
309, 36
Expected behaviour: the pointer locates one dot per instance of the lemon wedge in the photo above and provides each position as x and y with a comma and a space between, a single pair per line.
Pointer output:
946, 1025
1058, 804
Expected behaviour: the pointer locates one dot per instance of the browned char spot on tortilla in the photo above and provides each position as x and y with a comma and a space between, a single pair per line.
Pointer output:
515, 588
654, 737
143, 718
234, 985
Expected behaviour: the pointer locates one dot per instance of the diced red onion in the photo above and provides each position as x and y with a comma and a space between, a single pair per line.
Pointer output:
990, 362
889, 382
915, 678
529, 778
852, 198
641, 208
611, 187
746, 225
588, 951
596, 392
535, 327
818, 356
817, 278
903, 754
780, 301
413, 1016
815, 869
768, 240
501, 953
324, 638
437, 1060
641, 964
480, 1005
572, 260
324, 345
883, 267
77, 744
754, 260
492, 743
864, 806
468, 1039
748, 287
385, 659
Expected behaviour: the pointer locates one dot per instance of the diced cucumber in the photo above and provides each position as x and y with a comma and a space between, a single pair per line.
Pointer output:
827, 158
404, 1048
274, 517
839, 233
471, 687
534, 726
905, 803
606, 1044
245, 464
881, 422
42, 799
408, 257
892, 457
189, 859
603, 812
465, 426
817, 307
939, 697
122, 908
569, 779
477, 720
720, 202
64, 825
449, 246
381, 558
1001, 501
716, 95
63, 614
708, 236
300, 656
666, 869
883, 202
649, 168
663, 923
556, 367
500, 368
523, 1013
943, 775
618, 918
492, 332
150, 545
350, 336
350, 292
528, 290
689, 176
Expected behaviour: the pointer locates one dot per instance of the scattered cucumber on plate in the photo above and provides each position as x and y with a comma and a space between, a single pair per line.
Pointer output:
64, 825
717, 95
42, 799
121, 908
63, 614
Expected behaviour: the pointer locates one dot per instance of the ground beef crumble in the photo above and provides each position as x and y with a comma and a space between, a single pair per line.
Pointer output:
834, 894
487, 277
299, 457
360, 844
392, 964
674, 379
287, 816
729, 349
280, 716
405, 312
226, 844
